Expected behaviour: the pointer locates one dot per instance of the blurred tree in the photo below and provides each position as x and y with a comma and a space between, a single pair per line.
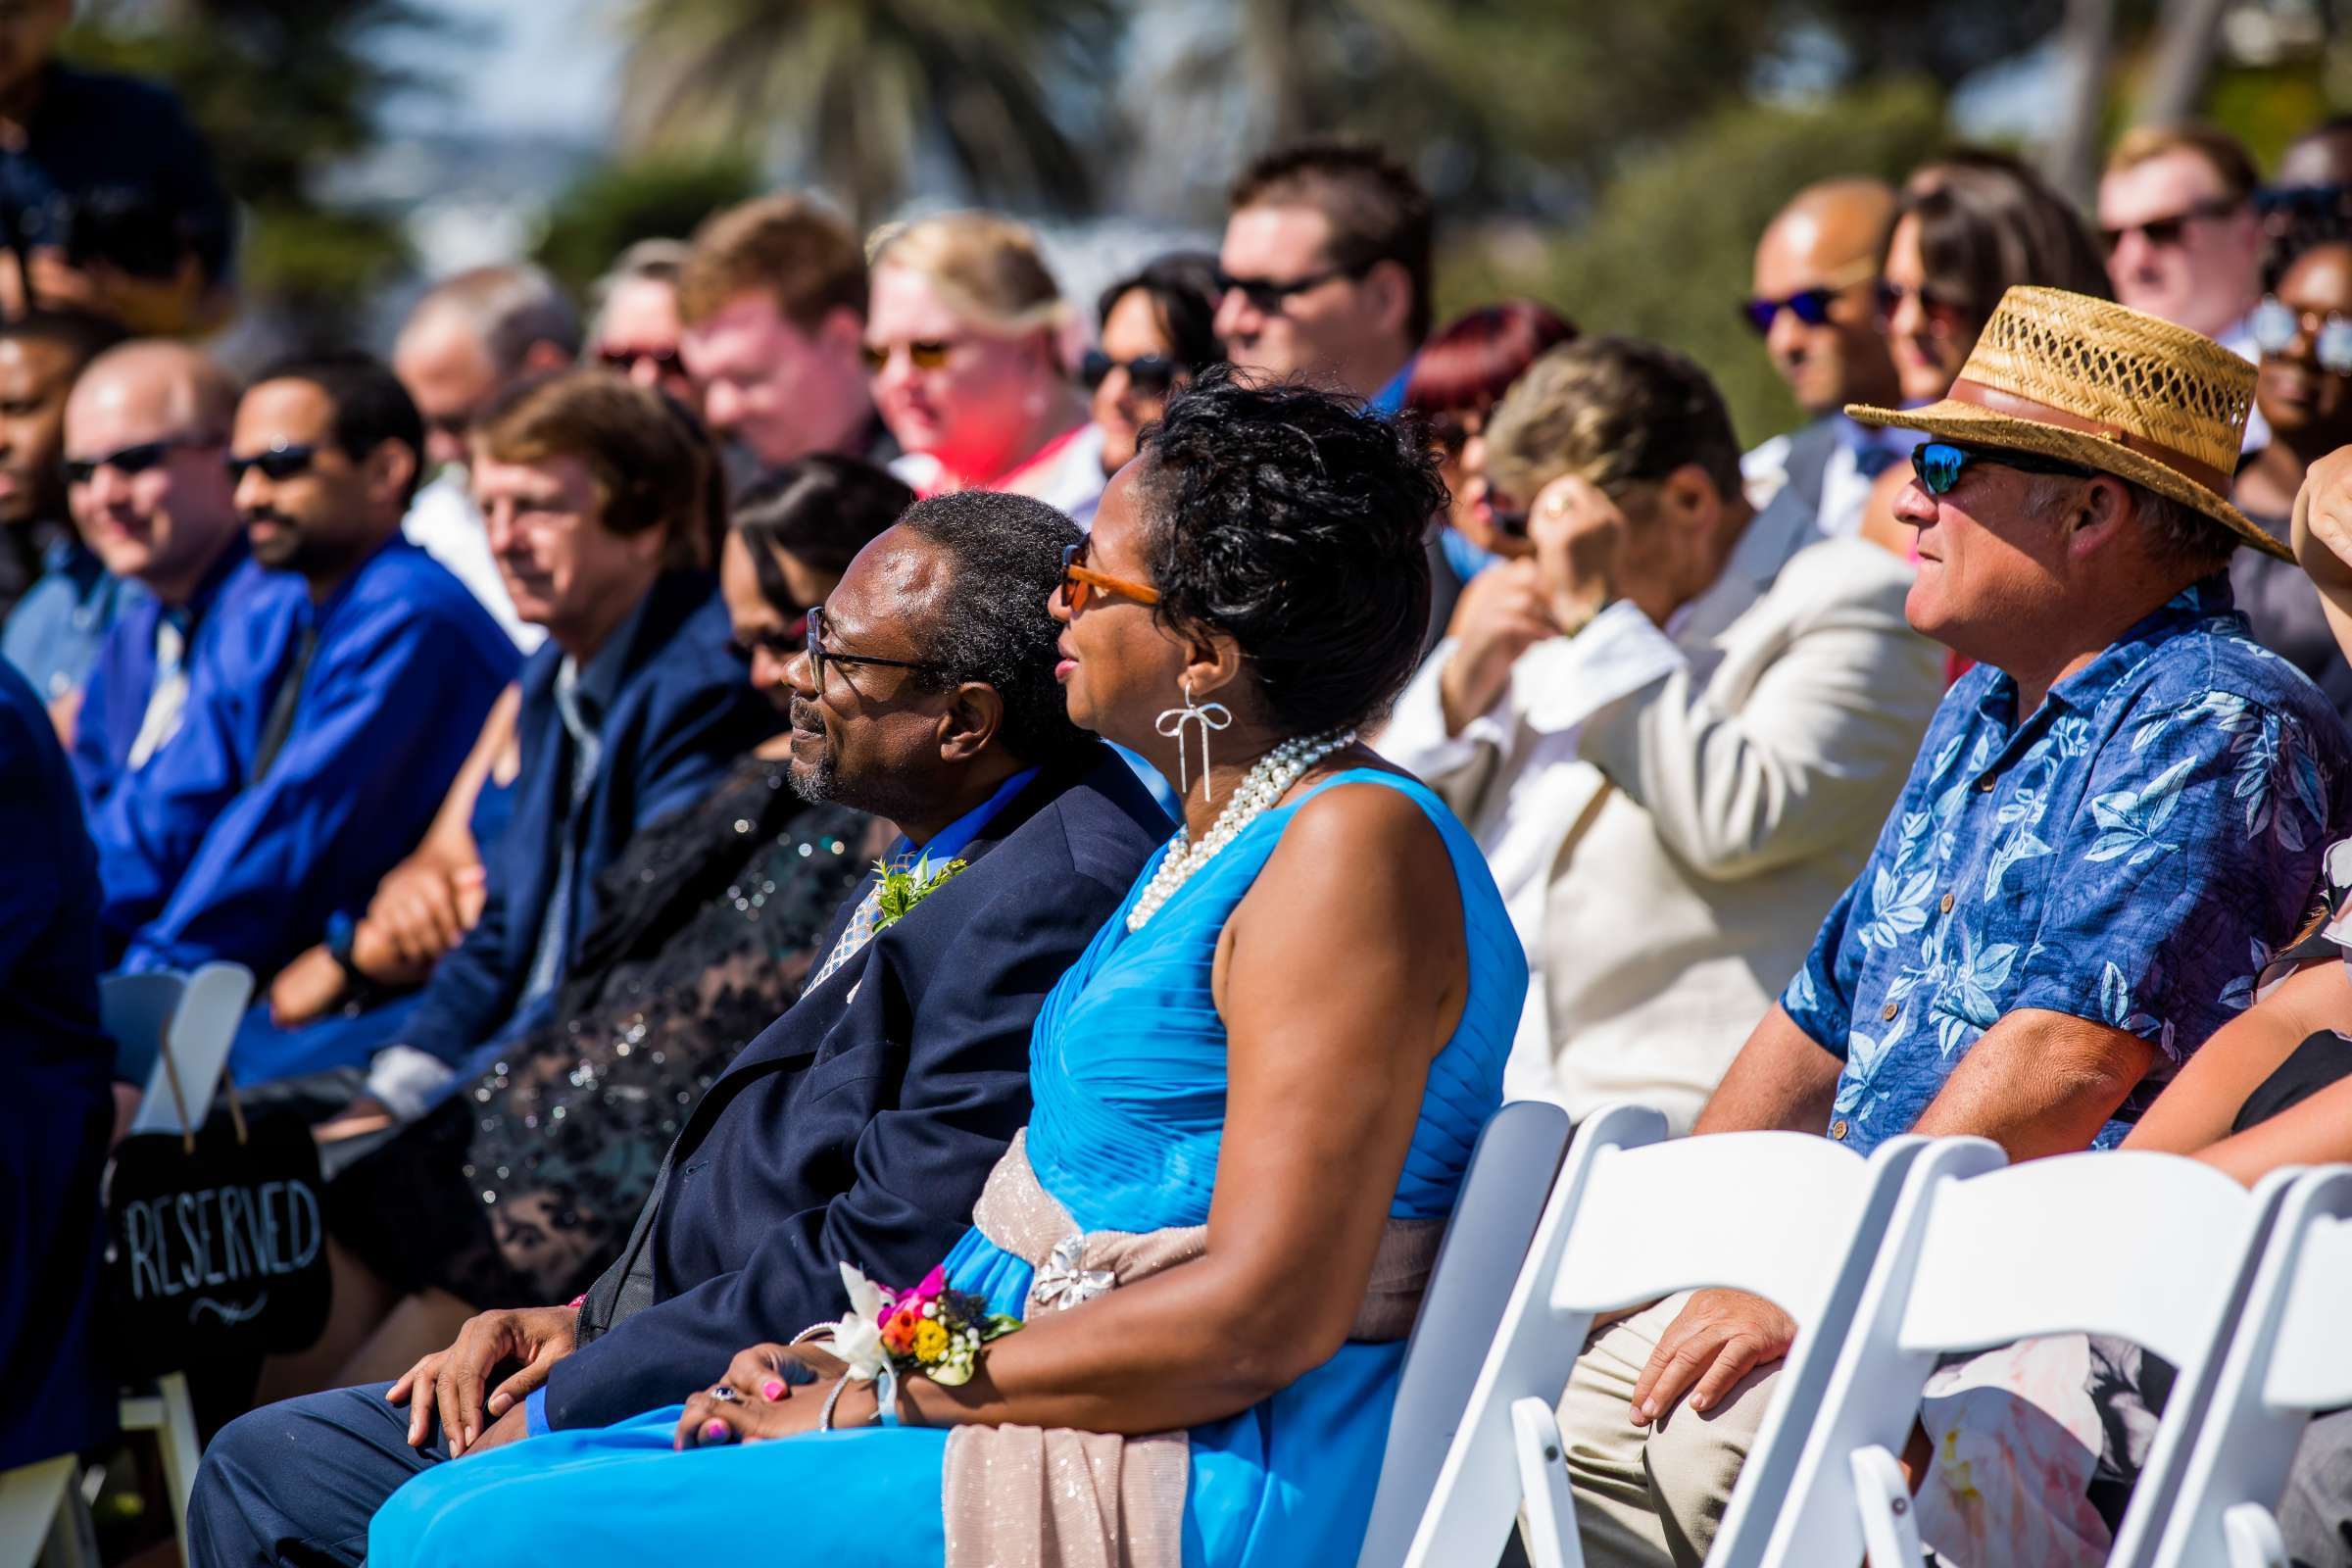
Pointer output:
612, 208
1666, 252
280, 88
865, 88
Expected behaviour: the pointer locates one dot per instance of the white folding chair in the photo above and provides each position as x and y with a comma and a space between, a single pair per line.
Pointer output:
2288, 1358
2153, 1247
192, 1019
1503, 1195
42, 1517
1634, 1219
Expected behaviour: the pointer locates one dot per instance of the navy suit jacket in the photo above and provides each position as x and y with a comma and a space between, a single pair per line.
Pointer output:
860, 1126
682, 713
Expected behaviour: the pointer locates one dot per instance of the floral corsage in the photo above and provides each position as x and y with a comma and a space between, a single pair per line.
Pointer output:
928, 1330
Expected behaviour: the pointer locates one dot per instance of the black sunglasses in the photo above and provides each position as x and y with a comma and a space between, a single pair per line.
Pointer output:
1268, 295
1810, 306
2165, 232
1150, 374
780, 643
1941, 463
133, 459
278, 463
819, 657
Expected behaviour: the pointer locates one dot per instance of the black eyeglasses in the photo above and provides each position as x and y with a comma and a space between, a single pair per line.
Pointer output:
1939, 463
664, 360
819, 657
278, 464
1269, 296
2166, 231
133, 459
1150, 374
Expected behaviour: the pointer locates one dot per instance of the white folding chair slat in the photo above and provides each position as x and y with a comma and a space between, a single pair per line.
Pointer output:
203, 1027
1763, 1212
2287, 1358
2087, 1277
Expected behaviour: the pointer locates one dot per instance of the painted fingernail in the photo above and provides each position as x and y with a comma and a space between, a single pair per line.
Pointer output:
773, 1388
714, 1432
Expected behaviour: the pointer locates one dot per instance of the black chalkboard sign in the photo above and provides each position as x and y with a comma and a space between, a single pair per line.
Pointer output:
218, 1251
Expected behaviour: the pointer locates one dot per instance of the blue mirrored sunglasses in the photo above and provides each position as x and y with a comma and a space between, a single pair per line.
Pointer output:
1939, 463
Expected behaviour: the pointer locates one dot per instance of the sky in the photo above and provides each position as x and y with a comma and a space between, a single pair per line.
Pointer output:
515, 66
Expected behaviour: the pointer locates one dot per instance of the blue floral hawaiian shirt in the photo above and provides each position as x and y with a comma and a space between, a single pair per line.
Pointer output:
2132, 854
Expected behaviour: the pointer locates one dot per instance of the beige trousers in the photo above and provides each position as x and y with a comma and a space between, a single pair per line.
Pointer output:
1646, 1496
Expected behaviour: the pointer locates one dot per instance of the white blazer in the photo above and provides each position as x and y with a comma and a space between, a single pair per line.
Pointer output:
1671, 813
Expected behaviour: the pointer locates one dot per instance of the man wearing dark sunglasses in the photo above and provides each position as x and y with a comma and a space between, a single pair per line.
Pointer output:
2177, 214
1325, 270
1812, 306
145, 432
317, 744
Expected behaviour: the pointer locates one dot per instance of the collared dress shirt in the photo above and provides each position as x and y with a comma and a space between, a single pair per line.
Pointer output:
217, 850
53, 634
2132, 852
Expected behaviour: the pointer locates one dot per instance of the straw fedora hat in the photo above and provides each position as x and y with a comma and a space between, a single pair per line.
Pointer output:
2086, 381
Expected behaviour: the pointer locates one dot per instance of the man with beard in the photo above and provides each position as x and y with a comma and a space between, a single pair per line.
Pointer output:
863, 1124
315, 741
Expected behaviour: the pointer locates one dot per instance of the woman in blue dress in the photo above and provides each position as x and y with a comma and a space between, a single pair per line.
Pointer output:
1256, 1095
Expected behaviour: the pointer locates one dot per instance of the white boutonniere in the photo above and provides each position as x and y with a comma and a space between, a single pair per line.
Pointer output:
904, 887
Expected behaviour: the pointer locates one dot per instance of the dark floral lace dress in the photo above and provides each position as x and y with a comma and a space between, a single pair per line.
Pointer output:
522, 1189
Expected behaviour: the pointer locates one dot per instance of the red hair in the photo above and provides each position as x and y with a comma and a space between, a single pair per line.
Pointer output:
1469, 363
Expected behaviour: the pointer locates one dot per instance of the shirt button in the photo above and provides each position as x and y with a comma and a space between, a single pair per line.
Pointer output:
1946, 904
1889, 1011
1837, 1129
1985, 785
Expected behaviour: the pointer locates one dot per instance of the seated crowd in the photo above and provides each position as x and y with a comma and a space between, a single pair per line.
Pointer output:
811, 772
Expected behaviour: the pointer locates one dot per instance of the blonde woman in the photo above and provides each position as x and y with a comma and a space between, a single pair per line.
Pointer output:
963, 342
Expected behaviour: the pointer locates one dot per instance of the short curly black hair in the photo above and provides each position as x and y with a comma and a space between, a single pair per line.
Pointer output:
991, 623
1294, 521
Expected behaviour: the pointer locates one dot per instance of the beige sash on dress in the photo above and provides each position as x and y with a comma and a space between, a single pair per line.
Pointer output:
1061, 1499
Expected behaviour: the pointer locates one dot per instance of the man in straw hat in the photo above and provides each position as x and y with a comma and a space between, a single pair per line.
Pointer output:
2113, 823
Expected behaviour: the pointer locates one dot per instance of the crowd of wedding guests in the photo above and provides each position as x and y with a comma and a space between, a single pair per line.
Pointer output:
693, 772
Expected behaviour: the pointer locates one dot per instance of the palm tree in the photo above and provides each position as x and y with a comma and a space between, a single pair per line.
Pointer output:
862, 89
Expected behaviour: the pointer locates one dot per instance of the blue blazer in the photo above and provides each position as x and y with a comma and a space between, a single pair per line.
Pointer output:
683, 713
56, 1113
860, 1125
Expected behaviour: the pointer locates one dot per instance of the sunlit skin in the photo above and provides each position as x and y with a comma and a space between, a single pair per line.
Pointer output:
1928, 346
449, 377
773, 633
325, 521
35, 374
779, 392
1351, 335
2211, 278
164, 526
1824, 239
995, 401
1131, 331
2309, 407
638, 329
562, 566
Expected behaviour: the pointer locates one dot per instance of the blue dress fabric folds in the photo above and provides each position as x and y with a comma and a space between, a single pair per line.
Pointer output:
1129, 1074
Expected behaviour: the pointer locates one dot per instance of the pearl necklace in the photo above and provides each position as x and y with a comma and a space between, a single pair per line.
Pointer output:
1269, 779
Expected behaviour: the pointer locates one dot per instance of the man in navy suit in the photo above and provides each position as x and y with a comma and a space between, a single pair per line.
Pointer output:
598, 501
861, 1125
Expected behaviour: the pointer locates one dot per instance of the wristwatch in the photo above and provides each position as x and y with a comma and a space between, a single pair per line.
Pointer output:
341, 929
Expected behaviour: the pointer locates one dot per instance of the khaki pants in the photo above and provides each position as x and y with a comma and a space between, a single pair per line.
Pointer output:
1651, 1496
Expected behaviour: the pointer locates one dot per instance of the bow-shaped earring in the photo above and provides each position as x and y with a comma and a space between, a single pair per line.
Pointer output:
1172, 722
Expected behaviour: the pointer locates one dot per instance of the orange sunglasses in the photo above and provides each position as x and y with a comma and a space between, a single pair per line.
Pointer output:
1080, 581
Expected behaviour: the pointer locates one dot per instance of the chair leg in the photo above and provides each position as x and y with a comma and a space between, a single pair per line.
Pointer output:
30, 1499
2253, 1536
1547, 1521
177, 1443
73, 1535
1889, 1524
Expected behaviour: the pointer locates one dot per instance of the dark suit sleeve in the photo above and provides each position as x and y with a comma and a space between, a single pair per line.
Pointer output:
947, 1071
714, 726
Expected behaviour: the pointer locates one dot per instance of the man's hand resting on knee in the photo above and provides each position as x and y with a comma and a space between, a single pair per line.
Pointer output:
1717, 1338
449, 1383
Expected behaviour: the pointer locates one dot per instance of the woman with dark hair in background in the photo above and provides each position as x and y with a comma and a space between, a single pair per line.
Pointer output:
521, 1186
1970, 227
1158, 333
1462, 371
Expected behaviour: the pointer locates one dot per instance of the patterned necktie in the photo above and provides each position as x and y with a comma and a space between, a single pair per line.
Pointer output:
169, 694
859, 932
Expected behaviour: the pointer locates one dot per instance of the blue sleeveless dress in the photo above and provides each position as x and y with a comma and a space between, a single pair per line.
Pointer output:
1128, 1068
